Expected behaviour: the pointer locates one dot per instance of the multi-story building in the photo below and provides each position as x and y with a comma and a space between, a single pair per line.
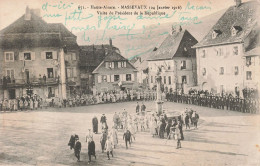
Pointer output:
114, 73
90, 57
177, 60
32, 58
223, 52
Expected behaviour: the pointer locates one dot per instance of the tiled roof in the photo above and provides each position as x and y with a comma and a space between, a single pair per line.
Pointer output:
176, 45
113, 56
36, 33
253, 52
243, 18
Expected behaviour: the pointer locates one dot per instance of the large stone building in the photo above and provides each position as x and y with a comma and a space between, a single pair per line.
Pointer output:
225, 54
90, 57
37, 58
177, 59
114, 73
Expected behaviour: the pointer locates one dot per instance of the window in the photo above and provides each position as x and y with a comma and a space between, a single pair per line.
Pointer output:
9, 56
170, 80
121, 64
219, 52
184, 79
183, 65
73, 56
116, 77
203, 54
233, 31
10, 73
104, 78
164, 79
169, 65
235, 50
128, 77
49, 55
51, 92
236, 70
69, 72
221, 71
248, 61
248, 75
151, 79
50, 72
204, 72
27, 56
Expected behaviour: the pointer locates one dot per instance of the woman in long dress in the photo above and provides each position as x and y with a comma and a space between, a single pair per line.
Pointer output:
114, 138
153, 127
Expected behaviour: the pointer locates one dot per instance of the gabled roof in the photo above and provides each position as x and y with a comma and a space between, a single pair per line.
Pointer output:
174, 46
113, 56
35, 32
244, 17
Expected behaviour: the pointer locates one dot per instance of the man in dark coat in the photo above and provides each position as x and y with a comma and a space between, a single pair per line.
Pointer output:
187, 121
91, 150
95, 124
103, 140
103, 119
77, 149
127, 138
137, 108
143, 107
71, 142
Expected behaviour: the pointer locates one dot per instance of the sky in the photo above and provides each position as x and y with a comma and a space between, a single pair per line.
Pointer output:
13, 9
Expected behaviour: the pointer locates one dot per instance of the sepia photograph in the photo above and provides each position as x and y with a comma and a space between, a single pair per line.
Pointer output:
130, 83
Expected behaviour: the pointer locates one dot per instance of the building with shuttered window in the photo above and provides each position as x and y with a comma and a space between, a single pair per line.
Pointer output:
227, 56
177, 60
37, 58
114, 73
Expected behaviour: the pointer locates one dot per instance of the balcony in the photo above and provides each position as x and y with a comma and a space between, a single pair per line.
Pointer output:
32, 81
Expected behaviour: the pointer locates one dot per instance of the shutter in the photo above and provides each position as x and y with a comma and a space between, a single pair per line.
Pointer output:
132, 77
187, 80
179, 79
106, 64
74, 72
119, 64
112, 78
121, 77
54, 54
74, 56
55, 73
99, 79
108, 78
56, 92
112, 64
43, 55
33, 55
21, 56
124, 64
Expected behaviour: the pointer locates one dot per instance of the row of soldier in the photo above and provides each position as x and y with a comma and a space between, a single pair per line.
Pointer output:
248, 105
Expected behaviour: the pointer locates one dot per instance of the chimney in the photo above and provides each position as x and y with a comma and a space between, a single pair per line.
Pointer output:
27, 15
180, 29
110, 42
173, 30
238, 3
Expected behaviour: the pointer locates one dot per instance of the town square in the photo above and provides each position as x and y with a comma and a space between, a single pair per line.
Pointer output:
130, 83
42, 138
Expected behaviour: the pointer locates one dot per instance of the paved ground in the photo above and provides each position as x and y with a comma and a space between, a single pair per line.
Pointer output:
41, 138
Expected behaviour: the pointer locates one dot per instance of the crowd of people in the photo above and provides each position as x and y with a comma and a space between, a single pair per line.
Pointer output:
194, 97
228, 102
158, 125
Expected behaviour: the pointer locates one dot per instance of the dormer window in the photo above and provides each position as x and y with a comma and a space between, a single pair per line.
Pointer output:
235, 30
215, 33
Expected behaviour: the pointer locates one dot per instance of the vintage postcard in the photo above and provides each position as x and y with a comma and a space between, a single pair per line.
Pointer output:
130, 82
